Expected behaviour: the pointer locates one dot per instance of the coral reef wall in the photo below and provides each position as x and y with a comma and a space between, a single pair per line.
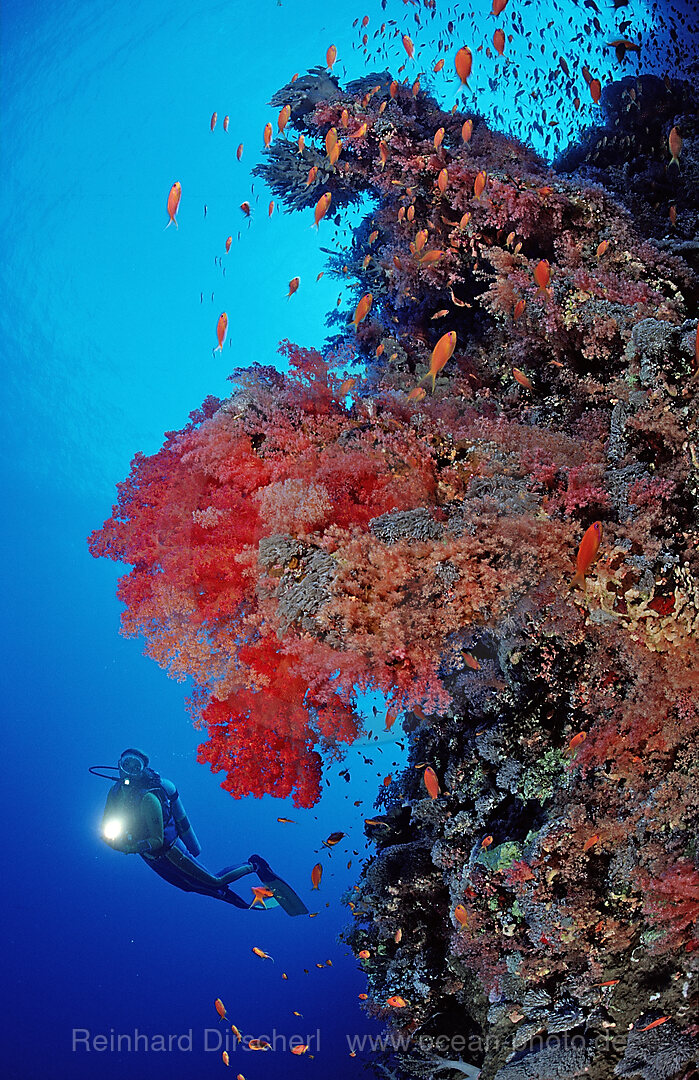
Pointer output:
411, 510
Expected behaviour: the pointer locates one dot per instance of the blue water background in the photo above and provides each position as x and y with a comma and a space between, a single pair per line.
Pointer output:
105, 345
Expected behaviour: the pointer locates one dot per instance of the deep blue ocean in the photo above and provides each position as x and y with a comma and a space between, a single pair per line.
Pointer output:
107, 325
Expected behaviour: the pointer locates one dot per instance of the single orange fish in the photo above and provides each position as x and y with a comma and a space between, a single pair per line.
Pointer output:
656, 1023
438, 66
463, 223
396, 1002
261, 894
519, 308
225, 1058
498, 7
610, 982
417, 393
333, 839
431, 782
479, 184
285, 821
293, 286
173, 202
262, 954
363, 997
346, 386
239, 151
590, 843
463, 62
471, 662
467, 130
335, 152
221, 331
461, 915
226, 122
322, 207
398, 936
330, 57
316, 875
270, 208
298, 1050
237, 1034
220, 1008
577, 740
330, 140
258, 1044
408, 46
486, 841
499, 41
601, 248
438, 137
229, 241
214, 118
440, 314
522, 379
283, 118
587, 553
675, 143
267, 134
542, 275
595, 90
443, 180
442, 352
245, 207
312, 173
373, 235
362, 309
363, 954
430, 257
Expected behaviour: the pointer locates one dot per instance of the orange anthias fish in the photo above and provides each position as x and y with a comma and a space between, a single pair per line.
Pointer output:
283, 118
675, 143
236, 1032
173, 202
408, 46
498, 7
542, 275
461, 915
312, 172
362, 309
330, 57
225, 1058
214, 118
396, 1002
298, 1050
259, 1044
443, 351
486, 841
463, 62
262, 954
286, 821
245, 207
499, 41
443, 180
467, 130
267, 134
221, 331
239, 151
418, 393
229, 241
322, 207
479, 183
587, 553
293, 286
220, 1008
577, 740
226, 122
590, 842
261, 894
316, 875
438, 66
346, 386
431, 782
522, 379
333, 839
656, 1023
595, 90
363, 954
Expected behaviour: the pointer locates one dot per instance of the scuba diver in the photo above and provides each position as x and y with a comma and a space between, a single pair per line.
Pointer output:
144, 815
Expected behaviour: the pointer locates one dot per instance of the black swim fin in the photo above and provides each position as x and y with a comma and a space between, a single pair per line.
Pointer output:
285, 896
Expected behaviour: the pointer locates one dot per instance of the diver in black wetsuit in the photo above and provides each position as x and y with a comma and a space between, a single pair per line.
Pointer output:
144, 815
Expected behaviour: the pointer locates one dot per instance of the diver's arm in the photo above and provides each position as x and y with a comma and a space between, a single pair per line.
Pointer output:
184, 829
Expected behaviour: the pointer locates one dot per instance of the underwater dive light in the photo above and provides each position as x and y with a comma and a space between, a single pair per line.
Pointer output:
112, 829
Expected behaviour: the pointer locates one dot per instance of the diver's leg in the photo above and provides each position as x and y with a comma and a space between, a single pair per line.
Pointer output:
193, 870
230, 897
232, 873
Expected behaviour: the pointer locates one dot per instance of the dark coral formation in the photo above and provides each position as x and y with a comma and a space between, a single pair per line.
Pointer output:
291, 546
